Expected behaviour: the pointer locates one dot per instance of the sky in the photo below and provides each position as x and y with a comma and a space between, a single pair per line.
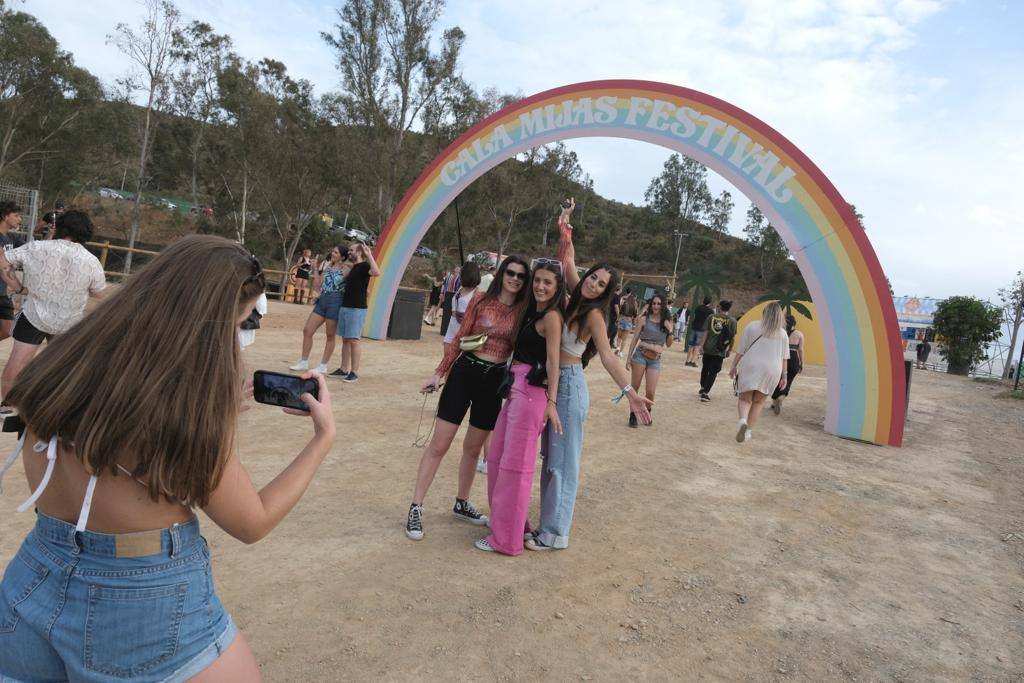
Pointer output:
912, 108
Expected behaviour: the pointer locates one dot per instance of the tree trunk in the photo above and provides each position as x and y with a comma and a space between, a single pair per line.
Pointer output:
1018, 316
137, 206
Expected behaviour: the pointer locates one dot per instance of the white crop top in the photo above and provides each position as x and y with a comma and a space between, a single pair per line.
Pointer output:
571, 344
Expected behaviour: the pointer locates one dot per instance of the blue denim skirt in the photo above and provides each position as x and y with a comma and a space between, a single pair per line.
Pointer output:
74, 607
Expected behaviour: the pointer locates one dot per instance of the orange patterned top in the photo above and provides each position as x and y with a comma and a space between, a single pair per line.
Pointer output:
492, 317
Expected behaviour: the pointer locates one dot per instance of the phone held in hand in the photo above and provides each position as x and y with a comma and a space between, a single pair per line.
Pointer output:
277, 389
567, 204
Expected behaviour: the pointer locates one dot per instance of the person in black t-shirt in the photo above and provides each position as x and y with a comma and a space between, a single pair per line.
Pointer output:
360, 268
10, 219
695, 339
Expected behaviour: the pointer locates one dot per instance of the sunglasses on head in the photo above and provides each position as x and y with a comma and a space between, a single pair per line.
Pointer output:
546, 262
516, 274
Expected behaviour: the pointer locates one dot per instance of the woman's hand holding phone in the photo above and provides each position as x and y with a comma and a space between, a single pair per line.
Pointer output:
319, 408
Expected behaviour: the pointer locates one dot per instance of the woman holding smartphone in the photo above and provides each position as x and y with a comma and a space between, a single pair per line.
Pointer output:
114, 580
474, 376
530, 406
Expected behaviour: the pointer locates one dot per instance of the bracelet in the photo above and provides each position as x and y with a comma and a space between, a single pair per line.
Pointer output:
625, 390
552, 401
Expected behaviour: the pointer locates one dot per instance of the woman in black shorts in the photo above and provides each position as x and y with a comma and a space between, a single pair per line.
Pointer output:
302, 273
473, 380
435, 298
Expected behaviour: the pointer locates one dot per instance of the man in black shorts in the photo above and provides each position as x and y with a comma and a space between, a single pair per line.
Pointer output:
10, 219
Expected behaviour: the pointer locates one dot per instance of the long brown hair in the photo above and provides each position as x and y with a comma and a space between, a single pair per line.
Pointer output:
153, 376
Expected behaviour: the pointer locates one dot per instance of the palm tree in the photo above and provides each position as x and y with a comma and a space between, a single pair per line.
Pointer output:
699, 282
790, 300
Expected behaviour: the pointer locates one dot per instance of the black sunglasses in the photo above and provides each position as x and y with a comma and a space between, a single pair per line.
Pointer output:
516, 274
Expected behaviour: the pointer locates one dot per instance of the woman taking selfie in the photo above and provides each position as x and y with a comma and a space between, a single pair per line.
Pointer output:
654, 333
530, 406
474, 364
114, 580
584, 335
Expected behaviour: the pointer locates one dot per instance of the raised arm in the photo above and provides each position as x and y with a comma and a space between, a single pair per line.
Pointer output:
374, 268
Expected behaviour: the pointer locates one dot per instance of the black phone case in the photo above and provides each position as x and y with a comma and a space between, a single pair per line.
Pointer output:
279, 389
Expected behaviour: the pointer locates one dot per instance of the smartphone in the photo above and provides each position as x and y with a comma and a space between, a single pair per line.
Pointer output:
566, 204
277, 389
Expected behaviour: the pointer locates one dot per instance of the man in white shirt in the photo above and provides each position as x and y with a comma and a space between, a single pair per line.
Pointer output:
59, 276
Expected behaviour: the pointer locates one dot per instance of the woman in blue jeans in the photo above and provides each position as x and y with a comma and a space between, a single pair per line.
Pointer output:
113, 582
584, 335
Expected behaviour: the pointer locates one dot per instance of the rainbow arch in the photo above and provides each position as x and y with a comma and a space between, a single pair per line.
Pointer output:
864, 355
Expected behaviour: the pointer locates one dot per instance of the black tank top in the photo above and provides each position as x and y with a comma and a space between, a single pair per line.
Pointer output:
531, 348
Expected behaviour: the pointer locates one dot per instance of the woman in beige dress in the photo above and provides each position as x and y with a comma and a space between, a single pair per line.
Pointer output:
759, 366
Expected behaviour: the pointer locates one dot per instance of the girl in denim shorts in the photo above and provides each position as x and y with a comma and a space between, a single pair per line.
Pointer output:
654, 333
114, 580
330, 281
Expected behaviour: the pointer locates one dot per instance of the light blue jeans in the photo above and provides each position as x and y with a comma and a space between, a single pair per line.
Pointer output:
560, 477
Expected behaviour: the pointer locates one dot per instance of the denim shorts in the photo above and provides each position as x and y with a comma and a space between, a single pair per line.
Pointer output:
350, 322
638, 359
327, 306
71, 609
696, 336
626, 324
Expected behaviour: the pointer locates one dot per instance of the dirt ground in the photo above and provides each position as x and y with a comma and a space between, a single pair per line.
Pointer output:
797, 556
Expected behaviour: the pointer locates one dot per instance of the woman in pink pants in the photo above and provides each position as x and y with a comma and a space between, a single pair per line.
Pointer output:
531, 404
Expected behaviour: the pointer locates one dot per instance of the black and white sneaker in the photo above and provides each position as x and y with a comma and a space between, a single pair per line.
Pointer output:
414, 522
465, 511
350, 377
704, 398
338, 374
632, 420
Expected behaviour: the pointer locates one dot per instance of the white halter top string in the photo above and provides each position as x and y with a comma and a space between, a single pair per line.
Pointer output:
51, 462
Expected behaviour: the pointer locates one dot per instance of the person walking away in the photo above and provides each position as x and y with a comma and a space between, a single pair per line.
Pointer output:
627, 315
10, 219
759, 366
923, 349
469, 278
131, 425
449, 289
654, 333
361, 267
59, 277
530, 406
474, 371
795, 365
329, 281
434, 303
716, 341
696, 338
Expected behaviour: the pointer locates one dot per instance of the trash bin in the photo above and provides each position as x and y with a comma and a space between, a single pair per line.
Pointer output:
407, 314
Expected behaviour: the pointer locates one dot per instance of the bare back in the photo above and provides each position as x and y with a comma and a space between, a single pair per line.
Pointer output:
120, 503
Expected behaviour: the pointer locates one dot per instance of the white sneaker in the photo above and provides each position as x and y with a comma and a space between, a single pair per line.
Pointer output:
481, 466
301, 365
322, 368
748, 435
741, 433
